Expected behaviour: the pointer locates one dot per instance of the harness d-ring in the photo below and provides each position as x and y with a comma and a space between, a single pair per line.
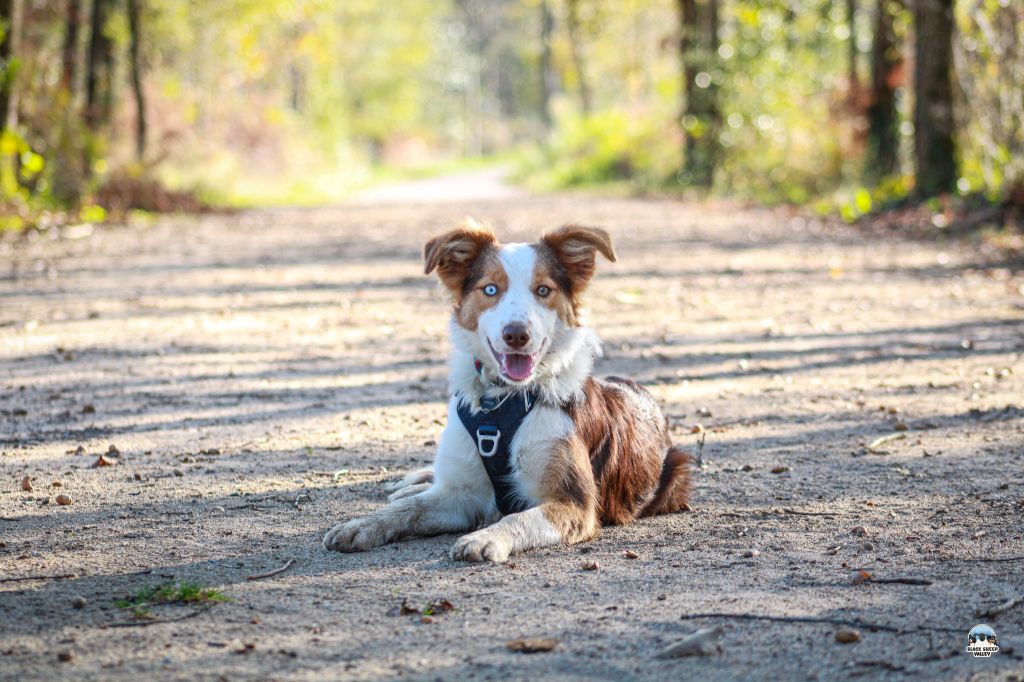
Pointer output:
487, 438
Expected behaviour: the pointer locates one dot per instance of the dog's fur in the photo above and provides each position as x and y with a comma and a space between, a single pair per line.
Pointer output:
590, 452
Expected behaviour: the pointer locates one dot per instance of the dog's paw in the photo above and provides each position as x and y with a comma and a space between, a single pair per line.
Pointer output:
356, 536
483, 545
424, 475
409, 491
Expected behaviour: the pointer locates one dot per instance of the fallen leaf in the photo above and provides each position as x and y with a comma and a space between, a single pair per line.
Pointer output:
437, 607
703, 642
861, 577
532, 645
875, 446
404, 610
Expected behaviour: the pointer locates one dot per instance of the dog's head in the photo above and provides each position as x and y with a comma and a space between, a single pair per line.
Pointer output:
516, 300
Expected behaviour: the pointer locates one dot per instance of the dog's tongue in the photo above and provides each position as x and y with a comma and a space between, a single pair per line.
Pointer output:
518, 367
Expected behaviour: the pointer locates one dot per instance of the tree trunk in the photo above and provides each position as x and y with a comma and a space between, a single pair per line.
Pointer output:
698, 49
575, 44
852, 59
70, 54
135, 41
934, 150
11, 16
883, 119
547, 84
98, 86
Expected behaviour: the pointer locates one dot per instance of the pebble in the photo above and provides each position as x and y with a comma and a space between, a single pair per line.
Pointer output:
847, 636
78, 602
590, 565
179, 472
859, 531
26, 484
219, 510
65, 656
868, 546
751, 553
63, 500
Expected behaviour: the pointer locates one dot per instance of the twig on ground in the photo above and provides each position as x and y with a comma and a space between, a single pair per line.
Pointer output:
269, 574
851, 622
996, 558
808, 513
61, 576
1002, 608
901, 581
156, 621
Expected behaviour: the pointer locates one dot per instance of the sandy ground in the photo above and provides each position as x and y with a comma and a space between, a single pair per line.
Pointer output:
264, 375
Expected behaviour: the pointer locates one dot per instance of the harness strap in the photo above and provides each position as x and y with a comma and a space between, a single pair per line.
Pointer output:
492, 428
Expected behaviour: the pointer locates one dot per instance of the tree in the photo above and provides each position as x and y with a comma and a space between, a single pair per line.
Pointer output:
698, 48
547, 72
135, 39
576, 49
934, 149
69, 66
851, 46
99, 68
10, 18
883, 118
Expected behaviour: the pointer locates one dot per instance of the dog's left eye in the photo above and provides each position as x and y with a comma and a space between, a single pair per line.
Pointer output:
491, 290
543, 291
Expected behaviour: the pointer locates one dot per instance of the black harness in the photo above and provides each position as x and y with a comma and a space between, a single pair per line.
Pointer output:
492, 428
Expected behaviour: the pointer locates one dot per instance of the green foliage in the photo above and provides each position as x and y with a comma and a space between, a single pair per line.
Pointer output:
605, 147
169, 593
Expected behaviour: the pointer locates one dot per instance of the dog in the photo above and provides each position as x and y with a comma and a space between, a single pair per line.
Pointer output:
536, 451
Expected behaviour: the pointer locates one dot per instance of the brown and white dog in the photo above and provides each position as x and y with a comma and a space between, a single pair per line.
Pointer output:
589, 452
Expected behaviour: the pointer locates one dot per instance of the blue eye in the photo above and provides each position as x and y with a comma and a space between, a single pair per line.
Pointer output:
491, 290
543, 291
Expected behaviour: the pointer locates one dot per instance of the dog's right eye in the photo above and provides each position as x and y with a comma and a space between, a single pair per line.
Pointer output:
491, 290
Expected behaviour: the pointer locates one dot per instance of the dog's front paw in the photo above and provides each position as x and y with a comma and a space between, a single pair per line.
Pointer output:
483, 545
356, 536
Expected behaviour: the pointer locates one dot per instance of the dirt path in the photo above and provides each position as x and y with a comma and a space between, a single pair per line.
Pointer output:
264, 375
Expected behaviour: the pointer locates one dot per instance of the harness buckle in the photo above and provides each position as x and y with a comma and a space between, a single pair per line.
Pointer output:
487, 438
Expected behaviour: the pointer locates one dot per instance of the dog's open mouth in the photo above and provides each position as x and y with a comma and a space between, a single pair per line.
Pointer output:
517, 366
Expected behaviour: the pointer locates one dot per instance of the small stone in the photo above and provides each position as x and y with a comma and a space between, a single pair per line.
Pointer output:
532, 645
868, 546
780, 469
590, 565
179, 472
137, 476
65, 656
751, 553
847, 636
89, 409
56, 484
26, 484
859, 531
63, 500
219, 510
78, 602
900, 426
112, 450
630, 554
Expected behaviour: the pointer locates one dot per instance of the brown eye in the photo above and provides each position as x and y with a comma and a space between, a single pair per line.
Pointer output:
543, 291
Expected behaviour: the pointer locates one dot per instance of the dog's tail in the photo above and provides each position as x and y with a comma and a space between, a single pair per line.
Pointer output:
673, 491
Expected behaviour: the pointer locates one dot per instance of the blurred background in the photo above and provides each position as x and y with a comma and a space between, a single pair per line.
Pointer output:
842, 106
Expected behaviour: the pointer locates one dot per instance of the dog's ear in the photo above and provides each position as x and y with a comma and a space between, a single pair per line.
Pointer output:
576, 248
452, 254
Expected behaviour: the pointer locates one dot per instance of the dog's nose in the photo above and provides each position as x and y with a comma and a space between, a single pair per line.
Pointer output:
515, 335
